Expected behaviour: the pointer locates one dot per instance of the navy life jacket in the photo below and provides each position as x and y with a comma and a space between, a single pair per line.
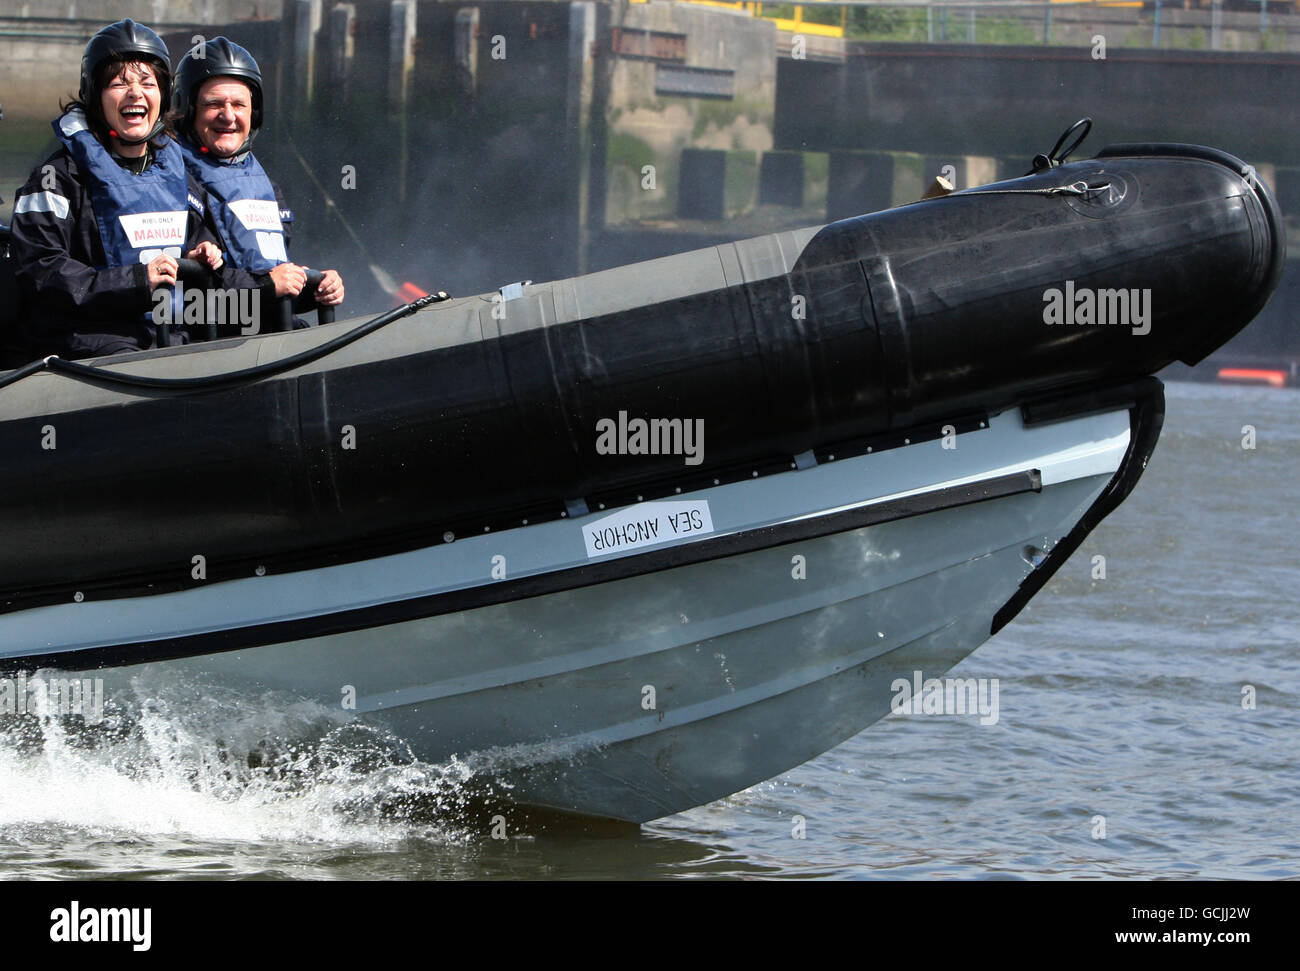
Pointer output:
243, 201
139, 216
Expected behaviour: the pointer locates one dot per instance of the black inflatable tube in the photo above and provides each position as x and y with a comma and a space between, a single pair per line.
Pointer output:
906, 319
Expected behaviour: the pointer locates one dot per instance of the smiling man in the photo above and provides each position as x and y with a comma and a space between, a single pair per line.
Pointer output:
218, 98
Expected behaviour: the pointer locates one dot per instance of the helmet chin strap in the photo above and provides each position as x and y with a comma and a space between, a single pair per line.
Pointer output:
153, 133
242, 150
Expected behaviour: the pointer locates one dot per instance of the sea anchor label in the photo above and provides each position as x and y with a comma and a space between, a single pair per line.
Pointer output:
647, 524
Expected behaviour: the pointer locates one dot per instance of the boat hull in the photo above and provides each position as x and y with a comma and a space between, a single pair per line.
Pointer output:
863, 448
780, 633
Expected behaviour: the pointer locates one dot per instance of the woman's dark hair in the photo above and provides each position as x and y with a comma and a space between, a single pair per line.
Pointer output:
106, 71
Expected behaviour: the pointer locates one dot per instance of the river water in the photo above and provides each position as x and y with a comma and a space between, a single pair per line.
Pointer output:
1148, 726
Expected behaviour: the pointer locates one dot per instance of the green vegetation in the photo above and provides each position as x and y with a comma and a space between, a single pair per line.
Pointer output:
914, 25
1273, 39
719, 113
740, 187
23, 143
812, 15
722, 114
628, 151
1005, 30
995, 25
816, 166
887, 23
910, 177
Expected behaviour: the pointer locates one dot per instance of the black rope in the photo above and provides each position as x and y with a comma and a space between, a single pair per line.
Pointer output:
89, 372
1073, 189
1043, 163
1057, 156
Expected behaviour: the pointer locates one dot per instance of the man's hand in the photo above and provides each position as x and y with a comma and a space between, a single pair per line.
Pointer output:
330, 291
161, 271
208, 254
289, 279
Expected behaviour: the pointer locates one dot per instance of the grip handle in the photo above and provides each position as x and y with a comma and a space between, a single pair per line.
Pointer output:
324, 315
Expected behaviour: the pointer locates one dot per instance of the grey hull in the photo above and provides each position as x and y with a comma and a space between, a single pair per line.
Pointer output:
646, 695
789, 669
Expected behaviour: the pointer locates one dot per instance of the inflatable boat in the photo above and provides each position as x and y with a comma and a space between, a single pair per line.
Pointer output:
638, 539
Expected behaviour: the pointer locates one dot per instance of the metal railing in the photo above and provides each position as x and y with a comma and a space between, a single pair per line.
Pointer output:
1131, 23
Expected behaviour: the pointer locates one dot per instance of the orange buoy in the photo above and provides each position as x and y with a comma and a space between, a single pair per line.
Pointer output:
1246, 375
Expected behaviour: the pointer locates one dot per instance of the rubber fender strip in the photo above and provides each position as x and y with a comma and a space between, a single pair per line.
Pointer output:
1146, 418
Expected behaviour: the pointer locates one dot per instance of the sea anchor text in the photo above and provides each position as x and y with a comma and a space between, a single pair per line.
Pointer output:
647, 524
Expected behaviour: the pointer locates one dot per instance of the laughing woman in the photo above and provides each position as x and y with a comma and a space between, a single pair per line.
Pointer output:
100, 225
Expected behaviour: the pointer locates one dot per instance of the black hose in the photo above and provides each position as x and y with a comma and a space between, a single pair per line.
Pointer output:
98, 374
13, 377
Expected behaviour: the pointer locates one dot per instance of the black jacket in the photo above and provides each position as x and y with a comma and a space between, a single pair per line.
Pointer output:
76, 307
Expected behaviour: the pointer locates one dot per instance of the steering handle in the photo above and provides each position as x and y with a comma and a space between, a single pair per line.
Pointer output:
195, 274
324, 315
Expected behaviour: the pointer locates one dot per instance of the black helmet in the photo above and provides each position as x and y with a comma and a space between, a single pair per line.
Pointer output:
216, 58
129, 41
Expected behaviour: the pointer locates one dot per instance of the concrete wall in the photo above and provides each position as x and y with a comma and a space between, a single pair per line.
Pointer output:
450, 156
1077, 26
1012, 102
648, 127
518, 132
41, 43
40, 61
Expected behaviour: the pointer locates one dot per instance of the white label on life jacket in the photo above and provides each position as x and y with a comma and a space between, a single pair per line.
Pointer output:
646, 524
154, 229
272, 246
257, 213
